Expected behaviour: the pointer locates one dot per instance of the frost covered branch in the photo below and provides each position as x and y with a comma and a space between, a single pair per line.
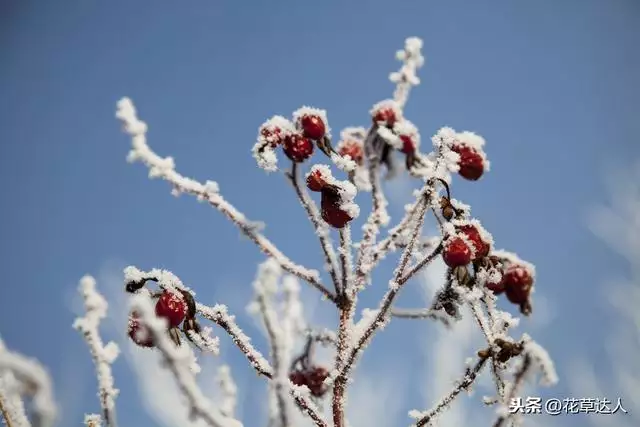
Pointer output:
423, 418
103, 355
22, 376
178, 361
165, 168
134, 279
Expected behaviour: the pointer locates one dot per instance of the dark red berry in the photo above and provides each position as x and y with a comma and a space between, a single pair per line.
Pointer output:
298, 148
315, 380
408, 146
352, 149
172, 307
497, 287
480, 246
517, 284
456, 252
138, 332
313, 126
471, 162
386, 115
330, 206
315, 181
298, 378
272, 134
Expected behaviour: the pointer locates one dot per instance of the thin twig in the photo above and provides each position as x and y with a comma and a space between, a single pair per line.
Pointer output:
469, 377
518, 381
164, 168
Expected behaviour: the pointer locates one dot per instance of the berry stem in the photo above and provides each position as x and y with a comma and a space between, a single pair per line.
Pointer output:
320, 228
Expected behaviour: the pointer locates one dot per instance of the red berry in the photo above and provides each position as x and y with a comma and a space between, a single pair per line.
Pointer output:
298, 377
273, 135
298, 148
471, 162
496, 287
408, 146
386, 115
172, 307
138, 332
313, 126
481, 247
456, 252
315, 181
315, 380
352, 149
517, 284
331, 212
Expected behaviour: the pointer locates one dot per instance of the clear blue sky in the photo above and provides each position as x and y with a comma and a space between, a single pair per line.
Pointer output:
552, 86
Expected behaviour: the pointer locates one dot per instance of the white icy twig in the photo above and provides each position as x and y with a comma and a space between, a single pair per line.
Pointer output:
11, 404
406, 77
103, 355
178, 361
266, 287
165, 168
32, 379
229, 390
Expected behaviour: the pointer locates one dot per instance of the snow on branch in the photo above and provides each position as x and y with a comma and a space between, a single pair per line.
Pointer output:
218, 314
92, 420
178, 360
103, 355
406, 77
210, 192
21, 376
229, 390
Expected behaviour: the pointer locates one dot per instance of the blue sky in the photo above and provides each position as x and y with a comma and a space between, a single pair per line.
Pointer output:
551, 85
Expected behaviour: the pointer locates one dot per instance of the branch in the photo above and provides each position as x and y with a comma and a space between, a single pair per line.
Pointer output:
420, 313
406, 77
31, 377
518, 381
467, 380
11, 405
265, 286
229, 391
103, 355
320, 227
421, 264
218, 314
300, 395
177, 362
165, 168
346, 307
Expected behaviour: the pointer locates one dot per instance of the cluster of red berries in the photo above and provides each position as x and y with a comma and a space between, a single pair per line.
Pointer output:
313, 377
331, 201
298, 141
386, 115
470, 244
170, 306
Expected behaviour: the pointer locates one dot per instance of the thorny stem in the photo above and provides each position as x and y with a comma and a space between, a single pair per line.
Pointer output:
469, 377
312, 212
308, 408
277, 363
